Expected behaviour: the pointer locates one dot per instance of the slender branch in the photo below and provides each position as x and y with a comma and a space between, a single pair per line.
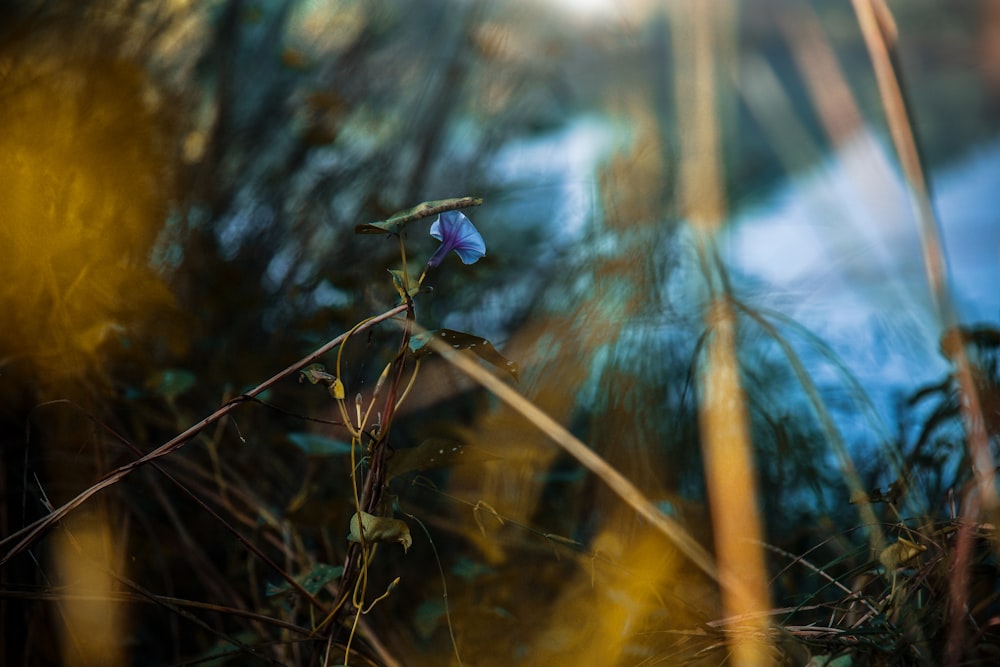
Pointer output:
30, 533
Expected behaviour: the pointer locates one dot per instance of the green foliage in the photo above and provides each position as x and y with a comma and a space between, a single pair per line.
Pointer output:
172, 382
313, 444
313, 582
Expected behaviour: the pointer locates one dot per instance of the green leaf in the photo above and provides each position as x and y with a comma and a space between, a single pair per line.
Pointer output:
312, 581
428, 617
470, 570
171, 382
316, 373
320, 576
824, 660
394, 223
418, 343
379, 529
397, 282
224, 651
435, 453
464, 341
314, 444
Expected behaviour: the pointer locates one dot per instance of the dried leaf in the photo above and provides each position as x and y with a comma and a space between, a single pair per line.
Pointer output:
316, 374
379, 529
559, 539
395, 223
897, 554
464, 341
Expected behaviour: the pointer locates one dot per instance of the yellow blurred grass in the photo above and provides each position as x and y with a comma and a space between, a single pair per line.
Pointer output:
86, 187
93, 628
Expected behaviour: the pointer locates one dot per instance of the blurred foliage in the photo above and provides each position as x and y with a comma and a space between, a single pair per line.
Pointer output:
181, 184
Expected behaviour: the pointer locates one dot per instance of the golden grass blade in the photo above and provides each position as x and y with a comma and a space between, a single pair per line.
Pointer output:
879, 32
93, 626
586, 456
732, 488
722, 416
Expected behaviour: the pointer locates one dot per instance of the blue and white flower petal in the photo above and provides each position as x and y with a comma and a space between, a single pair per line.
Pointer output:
456, 232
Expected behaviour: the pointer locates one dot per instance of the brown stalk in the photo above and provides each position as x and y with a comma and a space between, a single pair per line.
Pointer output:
722, 413
617, 482
879, 32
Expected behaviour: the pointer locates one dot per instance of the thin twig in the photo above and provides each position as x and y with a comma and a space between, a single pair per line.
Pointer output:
30, 533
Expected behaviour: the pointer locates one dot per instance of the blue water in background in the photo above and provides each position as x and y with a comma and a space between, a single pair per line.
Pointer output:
836, 249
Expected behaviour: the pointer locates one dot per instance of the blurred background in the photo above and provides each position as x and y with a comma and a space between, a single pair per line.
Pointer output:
180, 182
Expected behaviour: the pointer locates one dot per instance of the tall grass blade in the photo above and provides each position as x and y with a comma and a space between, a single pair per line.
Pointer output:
879, 32
722, 415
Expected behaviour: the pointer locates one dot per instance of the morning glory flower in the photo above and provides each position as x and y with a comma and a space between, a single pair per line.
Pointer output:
456, 232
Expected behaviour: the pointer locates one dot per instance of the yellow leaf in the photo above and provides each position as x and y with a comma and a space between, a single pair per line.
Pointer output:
379, 529
337, 389
895, 555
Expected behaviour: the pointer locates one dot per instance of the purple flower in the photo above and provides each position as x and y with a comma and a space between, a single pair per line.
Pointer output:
456, 232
